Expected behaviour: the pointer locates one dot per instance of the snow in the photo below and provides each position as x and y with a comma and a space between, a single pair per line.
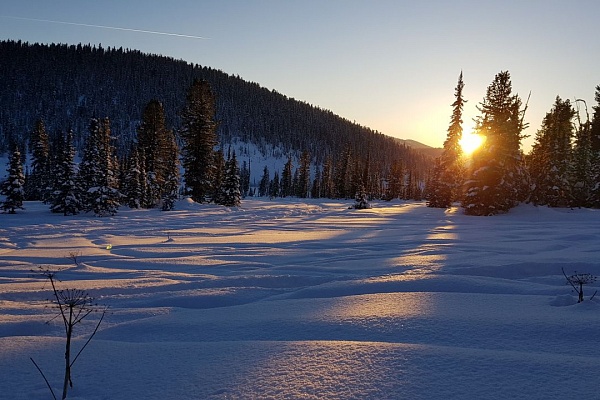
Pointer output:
305, 299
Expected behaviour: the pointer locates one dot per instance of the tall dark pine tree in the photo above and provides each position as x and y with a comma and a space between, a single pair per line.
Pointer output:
303, 188
327, 186
153, 141
448, 173
550, 164
231, 184
498, 180
199, 140
582, 165
98, 171
65, 193
134, 181
594, 200
38, 181
263, 187
245, 179
219, 176
274, 186
170, 186
287, 179
13, 187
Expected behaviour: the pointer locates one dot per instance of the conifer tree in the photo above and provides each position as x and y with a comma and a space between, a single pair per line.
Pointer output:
315, 191
153, 141
550, 164
448, 173
219, 175
38, 181
98, 171
199, 140
287, 183
395, 180
245, 179
263, 187
594, 200
134, 179
303, 187
231, 184
582, 165
275, 187
170, 187
498, 180
65, 192
343, 175
13, 187
327, 187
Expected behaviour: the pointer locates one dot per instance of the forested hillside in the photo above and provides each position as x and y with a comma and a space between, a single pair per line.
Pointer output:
67, 85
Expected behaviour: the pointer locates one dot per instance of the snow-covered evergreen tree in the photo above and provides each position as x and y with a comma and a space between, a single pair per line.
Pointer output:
38, 181
582, 165
448, 175
303, 187
274, 186
550, 165
133, 187
199, 139
13, 187
361, 201
170, 187
231, 184
287, 179
65, 193
263, 187
98, 171
499, 179
594, 200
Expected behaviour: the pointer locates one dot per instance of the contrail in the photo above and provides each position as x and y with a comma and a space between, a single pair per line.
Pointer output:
107, 27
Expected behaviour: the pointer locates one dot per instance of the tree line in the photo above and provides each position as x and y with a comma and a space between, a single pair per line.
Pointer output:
147, 177
562, 170
67, 85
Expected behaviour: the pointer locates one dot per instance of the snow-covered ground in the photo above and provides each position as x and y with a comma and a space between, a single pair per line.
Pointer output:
291, 299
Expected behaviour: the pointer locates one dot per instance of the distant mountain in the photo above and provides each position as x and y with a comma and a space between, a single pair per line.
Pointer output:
67, 85
422, 148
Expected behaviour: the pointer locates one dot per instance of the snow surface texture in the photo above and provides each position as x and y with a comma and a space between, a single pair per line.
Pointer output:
293, 299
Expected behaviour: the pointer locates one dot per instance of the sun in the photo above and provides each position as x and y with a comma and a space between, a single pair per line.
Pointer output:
470, 142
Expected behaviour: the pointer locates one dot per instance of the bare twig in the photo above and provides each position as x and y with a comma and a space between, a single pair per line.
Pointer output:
44, 376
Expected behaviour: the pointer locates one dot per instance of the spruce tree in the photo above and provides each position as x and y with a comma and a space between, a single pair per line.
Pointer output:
219, 176
199, 140
13, 187
550, 164
303, 187
38, 181
448, 173
134, 179
498, 180
594, 200
327, 187
287, 179
170, 187
65, 193
275, 187
582, 165
263, 187
98, 171
231, 184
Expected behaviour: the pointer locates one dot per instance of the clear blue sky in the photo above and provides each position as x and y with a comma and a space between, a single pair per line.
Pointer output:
391, 65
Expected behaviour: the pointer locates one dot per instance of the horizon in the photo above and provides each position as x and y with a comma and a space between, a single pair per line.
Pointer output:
389, 66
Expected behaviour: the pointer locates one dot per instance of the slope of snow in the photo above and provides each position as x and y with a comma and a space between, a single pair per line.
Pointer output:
305, 299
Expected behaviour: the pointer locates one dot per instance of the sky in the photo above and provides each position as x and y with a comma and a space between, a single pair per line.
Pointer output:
390, 65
